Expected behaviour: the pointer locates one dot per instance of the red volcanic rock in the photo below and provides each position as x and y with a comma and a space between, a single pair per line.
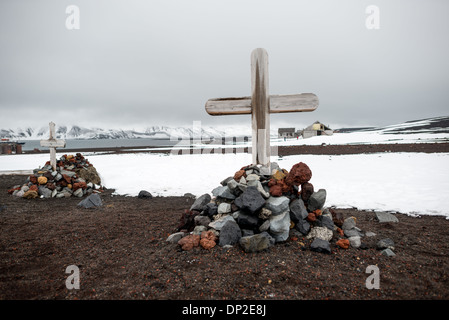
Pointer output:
311, 217
306, 191
343, 243
67, 178
337, 217
11, 191
79, 185
276, 190
239, 174
278, 187
299, 174
51, 186
340, 231
189, 242
33, 179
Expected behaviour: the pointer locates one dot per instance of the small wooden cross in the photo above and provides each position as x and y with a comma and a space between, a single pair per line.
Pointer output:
52, 143
260, 105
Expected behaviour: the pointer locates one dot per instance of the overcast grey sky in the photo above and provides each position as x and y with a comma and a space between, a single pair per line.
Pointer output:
134, 64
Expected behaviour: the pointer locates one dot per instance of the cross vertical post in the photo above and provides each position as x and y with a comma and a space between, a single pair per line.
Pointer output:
260, 102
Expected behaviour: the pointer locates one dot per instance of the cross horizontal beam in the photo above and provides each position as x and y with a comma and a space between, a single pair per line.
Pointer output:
304, 102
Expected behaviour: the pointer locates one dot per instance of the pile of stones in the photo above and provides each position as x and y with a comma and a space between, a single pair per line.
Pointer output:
259, 206
74, 176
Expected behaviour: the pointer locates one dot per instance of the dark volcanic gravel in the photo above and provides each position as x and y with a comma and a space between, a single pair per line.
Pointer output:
121, 253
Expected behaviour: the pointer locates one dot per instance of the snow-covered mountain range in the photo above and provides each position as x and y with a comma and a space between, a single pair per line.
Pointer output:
154, 132
431, 125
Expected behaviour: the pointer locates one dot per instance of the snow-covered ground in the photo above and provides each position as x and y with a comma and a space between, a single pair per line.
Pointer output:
411, 183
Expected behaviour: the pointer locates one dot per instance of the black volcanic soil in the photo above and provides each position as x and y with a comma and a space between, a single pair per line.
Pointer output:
121, 253
289, 150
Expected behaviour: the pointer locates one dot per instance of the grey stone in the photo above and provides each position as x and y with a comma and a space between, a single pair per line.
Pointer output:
201, 202
303, 226
388, 252
252, 177
355, 241
224, 207
265, 171
210, 209
247, 221
143, 194
225, 181
175, 237
199, 229
258, 185
60, 195
251, 200
24, 188
91, 201
320, 233
257, 242
353, 232
264, 226
68, 173
370, 234
383, 217
223, 192
317, 200
320, 245
298, 210
247, 232
349, 223
19, 193
243, 180
230, 234
386, 243
232, 185
327, 222
277, 205
43, 191
202, 220
58, 177
54, 193
280, 226
218, 224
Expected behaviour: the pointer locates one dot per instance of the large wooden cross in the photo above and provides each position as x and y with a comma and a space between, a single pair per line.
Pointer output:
52, 143
260, 105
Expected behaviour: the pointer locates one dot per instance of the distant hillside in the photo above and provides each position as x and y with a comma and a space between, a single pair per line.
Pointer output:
430, 125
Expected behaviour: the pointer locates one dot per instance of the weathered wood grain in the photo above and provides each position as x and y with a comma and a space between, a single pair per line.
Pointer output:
260, 105
304, 102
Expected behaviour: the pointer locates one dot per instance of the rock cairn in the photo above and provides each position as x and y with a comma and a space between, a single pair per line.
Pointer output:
258, 207
74, 176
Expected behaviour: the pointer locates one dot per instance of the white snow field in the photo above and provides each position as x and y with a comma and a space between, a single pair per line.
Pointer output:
410, 183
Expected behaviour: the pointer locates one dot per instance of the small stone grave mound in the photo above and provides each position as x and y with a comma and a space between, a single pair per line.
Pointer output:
256, 208
74, 176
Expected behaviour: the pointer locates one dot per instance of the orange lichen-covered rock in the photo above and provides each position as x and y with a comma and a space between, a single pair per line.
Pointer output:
208, 240
42, 180
189, 242
343, 243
